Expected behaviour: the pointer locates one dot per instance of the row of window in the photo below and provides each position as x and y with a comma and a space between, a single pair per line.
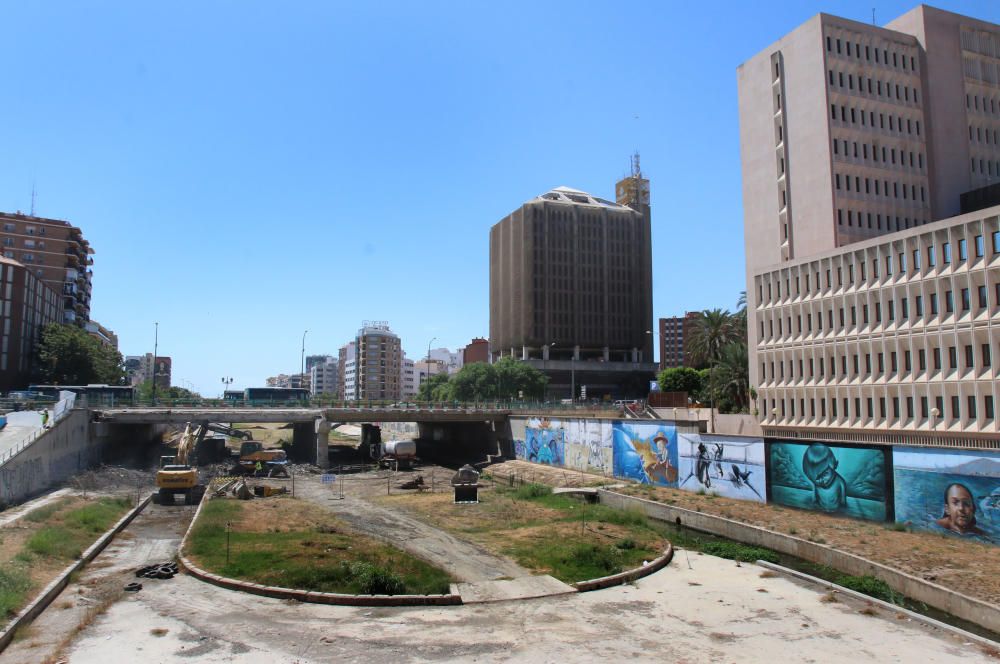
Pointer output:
874, 87
986, 166
986, 360
965, 295
29, 230
875, 220
875, 155
859, 116
983, 104
939, 414
888, 261
876, 187
983, 135
899, 60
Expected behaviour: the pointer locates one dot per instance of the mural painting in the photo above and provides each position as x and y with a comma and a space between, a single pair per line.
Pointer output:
646, 453
544, 442
852, 481
955, 492
725, 465
588, 445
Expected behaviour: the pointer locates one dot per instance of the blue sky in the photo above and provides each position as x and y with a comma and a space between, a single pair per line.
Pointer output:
247, 171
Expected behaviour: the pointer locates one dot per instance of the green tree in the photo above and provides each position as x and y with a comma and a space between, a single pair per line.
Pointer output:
145, 392
518, 379
731, 378
475, 382
67, 355
429, 391
680, 379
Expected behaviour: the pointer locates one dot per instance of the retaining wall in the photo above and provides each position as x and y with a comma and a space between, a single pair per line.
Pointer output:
53, 457
957, 604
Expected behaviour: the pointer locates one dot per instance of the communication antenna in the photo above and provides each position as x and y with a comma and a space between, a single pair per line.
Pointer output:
636, 171
873, 16
32, 199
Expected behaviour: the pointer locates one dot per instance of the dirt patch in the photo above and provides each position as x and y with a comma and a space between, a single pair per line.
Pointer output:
965, 566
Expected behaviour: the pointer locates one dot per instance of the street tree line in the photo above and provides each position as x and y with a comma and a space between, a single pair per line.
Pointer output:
505, 380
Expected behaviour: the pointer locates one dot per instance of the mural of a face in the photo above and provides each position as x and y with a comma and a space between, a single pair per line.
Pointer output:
959, 510
820, 466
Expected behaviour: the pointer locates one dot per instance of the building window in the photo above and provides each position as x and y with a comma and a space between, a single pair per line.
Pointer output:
952, 357
949, 302
996, 242
907, 364
937, 359
916, 259
955, 411
934, 304
969, 358
966, 300
931, 257
988, 407
979, 246
920, 305
987, 358
982, 296
963, 252
922, 359
924, 410
946, 253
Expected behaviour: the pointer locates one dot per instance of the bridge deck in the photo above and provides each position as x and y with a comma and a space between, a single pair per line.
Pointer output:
264, 415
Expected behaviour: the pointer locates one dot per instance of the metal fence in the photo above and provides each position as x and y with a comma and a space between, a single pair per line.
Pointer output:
59, 410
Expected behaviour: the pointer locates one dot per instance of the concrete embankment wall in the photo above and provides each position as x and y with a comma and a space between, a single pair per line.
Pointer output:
52, 458
939, 597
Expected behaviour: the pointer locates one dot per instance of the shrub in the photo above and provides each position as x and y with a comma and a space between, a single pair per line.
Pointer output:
626, 544
14, 583
870, 586
531, 491
375, 580
740, 552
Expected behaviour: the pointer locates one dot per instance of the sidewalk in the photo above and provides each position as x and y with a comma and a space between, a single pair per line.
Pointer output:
20, 426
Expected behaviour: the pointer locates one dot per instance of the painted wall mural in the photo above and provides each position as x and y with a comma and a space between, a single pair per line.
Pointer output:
853, 481
646, 453
948, 491
588, 445
725, 465
544, 442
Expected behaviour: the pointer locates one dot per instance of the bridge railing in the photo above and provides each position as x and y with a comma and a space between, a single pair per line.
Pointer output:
367, 404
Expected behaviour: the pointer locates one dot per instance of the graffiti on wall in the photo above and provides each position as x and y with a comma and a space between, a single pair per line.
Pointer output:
945, 491
544, 442
726, 465
588, 445
646, 453
853, 481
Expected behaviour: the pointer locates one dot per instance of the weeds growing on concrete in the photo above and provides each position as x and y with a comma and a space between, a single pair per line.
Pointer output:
14, 584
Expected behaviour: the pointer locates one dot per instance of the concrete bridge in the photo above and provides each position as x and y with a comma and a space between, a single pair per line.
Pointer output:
311, 426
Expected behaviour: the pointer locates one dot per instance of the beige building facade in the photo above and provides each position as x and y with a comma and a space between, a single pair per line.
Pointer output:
857, 142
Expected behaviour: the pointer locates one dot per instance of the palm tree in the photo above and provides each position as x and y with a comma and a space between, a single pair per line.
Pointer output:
711, 330
731, 374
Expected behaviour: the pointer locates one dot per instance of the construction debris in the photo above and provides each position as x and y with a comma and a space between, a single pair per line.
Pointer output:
416, 483
160, 571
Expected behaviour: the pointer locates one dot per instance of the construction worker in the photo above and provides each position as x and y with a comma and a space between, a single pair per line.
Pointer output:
258, 468
45, 419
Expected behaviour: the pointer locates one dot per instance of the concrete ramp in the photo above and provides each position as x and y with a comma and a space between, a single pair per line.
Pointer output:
525, 587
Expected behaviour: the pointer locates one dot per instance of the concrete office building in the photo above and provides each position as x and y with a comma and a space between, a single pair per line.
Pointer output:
55, 252
875, 305
571, 291
27, 304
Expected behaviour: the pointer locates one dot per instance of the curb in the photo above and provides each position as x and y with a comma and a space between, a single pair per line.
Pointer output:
628, 576
51, 591
919, 617
310, 596
961, 606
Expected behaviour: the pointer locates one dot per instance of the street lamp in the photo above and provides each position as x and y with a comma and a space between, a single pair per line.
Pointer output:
226, 382
935, 413
427, 363
303, 367
156, 343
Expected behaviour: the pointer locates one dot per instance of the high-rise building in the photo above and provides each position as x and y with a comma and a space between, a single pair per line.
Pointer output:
140, 368
674, 336
105, 336
56, 253
872, 310
571, 290
28, 304
373, 364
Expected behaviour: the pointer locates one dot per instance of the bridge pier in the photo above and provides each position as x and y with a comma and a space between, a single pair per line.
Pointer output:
322, 443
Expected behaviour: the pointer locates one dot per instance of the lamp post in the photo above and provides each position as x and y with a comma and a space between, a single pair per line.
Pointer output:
935, 413
433, 339
302, 370
156, 343
226, 382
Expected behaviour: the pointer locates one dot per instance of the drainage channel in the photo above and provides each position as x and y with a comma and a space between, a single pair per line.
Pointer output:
683, 537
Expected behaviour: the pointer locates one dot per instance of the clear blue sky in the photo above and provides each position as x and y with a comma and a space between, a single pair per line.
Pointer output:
246, 170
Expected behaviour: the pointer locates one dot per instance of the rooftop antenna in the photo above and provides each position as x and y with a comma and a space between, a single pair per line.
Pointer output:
32, 199
636, 171
873, 16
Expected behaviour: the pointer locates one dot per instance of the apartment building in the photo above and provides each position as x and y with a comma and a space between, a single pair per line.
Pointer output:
675, 335
871, 306
27, 304
323, 375
477, 350
372, 364
140, 368
55, 252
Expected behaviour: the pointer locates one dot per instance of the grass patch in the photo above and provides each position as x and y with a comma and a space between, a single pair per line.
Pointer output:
741, 552
75, 530
870, 586
14, 584
45, 512
54, 542
316, 558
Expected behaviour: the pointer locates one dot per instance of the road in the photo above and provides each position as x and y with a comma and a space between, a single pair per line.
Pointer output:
20, 425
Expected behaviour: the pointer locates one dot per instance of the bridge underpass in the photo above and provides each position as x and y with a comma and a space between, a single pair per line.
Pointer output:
444, 433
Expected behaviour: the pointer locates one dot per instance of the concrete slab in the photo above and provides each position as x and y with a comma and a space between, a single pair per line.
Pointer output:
525, 587
580, 490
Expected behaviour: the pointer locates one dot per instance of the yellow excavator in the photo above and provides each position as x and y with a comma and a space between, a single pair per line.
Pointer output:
176, 475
